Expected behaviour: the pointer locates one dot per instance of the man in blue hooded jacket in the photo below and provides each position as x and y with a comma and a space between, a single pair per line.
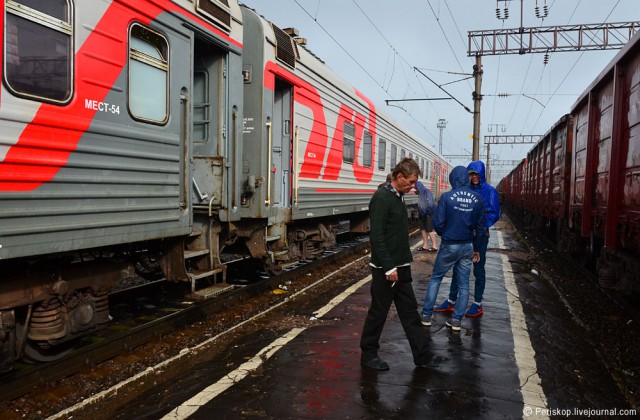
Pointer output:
460, 221
478, 183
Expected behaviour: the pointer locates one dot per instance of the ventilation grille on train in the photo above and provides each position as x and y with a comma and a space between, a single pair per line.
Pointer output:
217, 11
286, 48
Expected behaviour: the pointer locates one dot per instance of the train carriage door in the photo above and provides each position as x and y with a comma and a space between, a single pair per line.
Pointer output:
208, 128
281, 159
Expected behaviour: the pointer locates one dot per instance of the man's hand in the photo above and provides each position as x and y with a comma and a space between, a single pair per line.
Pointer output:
476, 257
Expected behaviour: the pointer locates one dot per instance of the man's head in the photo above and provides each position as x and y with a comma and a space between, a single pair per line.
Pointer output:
458, 177
405, 175
476, 172
474, 177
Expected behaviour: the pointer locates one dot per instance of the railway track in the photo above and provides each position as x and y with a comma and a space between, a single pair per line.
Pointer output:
165, 320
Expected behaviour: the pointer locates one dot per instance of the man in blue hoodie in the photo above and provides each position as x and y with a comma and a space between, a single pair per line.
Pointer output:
478, 183
460, 221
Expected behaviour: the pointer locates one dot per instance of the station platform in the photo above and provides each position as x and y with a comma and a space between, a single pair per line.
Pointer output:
524, 358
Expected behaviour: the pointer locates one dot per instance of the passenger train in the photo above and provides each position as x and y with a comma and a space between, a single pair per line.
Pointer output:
581, 182
139, 136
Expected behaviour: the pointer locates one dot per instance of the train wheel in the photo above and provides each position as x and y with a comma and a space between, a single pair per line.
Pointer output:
273, 269
35, 352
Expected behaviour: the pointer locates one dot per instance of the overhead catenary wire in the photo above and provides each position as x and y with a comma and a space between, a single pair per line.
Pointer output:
394, 80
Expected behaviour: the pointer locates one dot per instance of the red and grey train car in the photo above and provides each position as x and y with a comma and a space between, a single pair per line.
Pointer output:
145, 137
589, 188
323, 143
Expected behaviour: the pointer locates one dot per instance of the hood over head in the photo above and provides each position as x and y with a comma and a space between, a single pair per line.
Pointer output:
478, 166
459, 177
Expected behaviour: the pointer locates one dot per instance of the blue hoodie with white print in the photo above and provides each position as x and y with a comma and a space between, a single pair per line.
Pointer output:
460, 217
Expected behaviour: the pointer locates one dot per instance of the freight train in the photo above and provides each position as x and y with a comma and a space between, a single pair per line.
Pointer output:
581, 182
145, 137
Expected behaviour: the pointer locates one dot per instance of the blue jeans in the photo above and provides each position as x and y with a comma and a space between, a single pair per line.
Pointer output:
458, 256
478, 273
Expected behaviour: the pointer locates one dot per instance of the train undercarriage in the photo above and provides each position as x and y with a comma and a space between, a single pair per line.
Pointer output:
615, 269
48, 303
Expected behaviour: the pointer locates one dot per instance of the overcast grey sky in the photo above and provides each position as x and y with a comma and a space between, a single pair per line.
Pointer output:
374, 45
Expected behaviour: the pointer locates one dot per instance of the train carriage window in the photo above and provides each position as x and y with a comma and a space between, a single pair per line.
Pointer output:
148, 75
403, 154
349, 143
38, 49
394, 155
382, 154
367, 141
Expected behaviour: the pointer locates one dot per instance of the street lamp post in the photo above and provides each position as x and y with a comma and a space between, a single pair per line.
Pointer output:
442, 123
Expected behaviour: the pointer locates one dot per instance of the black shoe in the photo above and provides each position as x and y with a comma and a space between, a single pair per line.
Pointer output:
433, 363
375, 363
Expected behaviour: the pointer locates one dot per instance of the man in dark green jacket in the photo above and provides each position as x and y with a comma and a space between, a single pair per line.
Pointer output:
391, 269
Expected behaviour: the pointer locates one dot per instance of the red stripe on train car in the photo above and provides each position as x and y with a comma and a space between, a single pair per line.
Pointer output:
361, 173
307, 95
334, 160
44, 147
318, 144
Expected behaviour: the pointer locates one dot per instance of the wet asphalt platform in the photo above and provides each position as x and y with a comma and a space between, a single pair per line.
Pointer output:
491, 369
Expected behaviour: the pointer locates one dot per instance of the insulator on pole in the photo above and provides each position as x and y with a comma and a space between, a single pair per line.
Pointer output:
546, 58
498, 13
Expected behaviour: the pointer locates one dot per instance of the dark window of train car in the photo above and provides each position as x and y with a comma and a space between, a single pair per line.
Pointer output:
382, 154
403, 154
349, 143
394, 156
38, 49
148, 75
367, 143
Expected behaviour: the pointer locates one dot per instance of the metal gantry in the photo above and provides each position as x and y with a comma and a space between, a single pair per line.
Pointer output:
600, 36
506, 139
512, 139
521, 40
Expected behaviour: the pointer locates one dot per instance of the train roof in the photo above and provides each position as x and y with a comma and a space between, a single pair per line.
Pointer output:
316, 64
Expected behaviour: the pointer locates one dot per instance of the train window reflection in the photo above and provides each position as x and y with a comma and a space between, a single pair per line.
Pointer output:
366, 150
148, 75
394, 156
38, 49
382, 153
349, 143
